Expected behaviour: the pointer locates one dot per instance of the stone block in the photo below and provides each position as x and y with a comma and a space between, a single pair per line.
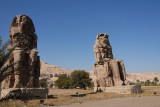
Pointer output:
129, 89
36, 92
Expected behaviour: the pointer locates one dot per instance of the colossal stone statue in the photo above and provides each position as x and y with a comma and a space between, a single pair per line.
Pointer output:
109, 72
27, 69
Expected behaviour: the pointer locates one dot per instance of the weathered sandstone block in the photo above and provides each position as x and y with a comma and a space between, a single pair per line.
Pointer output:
36, 92
111, 73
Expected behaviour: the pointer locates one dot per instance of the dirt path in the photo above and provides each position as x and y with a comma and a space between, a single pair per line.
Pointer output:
147, 101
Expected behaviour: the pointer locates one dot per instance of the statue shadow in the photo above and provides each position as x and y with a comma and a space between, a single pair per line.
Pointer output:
52, 97
82, 95
78, 95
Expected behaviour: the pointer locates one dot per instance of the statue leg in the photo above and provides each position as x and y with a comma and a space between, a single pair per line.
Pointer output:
122, 72
116, 72
18, 67
32, 69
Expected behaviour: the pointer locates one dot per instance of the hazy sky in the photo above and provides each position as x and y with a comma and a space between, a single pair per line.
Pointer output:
67, 30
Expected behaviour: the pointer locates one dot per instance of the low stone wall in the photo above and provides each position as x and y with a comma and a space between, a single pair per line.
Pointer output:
37, 92
129, 89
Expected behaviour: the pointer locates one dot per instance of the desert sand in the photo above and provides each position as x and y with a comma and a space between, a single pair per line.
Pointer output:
145, 101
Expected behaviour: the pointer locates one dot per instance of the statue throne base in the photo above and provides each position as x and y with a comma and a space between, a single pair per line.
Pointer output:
32, 92
126, 89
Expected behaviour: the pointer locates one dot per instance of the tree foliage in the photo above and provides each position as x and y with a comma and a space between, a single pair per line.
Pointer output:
4, 56
80, 78
63, 81
137, 81
43, 83
156, 80
147, 82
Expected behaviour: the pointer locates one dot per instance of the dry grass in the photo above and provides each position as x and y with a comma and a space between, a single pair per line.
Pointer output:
64, 97
151, 87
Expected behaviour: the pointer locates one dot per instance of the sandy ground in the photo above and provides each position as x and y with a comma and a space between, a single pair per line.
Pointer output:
55, 91
145, 101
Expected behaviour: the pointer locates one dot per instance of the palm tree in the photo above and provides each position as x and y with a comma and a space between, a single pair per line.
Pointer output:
5, 70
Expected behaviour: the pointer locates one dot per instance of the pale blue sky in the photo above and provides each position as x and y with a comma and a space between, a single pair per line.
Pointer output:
67, 30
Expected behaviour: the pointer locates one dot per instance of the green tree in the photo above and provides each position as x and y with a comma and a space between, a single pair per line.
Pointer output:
147, 82
4, 56
63, 81
156, 80
80, 78
137, 81
142, 82
43, 83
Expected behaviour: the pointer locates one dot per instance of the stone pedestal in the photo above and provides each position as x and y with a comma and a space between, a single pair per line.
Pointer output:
36, 92
129, 89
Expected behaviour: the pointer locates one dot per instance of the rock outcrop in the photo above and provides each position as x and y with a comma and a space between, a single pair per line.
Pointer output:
25, 55
55, 71
51, 72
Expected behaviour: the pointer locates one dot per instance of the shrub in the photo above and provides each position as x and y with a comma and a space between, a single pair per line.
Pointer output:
155, 80
80, 78
91, 86
43, 83
63, 81
147, 83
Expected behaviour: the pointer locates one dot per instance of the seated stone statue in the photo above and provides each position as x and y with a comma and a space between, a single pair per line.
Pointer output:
27, 69
108, 71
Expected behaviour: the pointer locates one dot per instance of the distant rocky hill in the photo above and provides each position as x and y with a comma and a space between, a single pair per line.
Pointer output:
52, 72
49, 71
46, 68
142, 76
